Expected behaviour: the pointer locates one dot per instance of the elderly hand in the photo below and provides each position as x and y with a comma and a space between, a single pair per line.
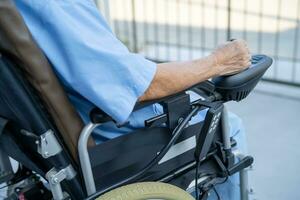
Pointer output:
231, 57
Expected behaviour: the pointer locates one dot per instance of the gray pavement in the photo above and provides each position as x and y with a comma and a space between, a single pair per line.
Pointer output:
272, 122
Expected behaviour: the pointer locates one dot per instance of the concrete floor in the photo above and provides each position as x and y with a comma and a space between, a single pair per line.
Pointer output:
272, 122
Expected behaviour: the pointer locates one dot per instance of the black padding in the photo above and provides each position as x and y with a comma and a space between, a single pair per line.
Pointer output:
184, 179
206, 85
3, 123
16, 104
260, 63
12, 149
22, 107
124, 156
237, 87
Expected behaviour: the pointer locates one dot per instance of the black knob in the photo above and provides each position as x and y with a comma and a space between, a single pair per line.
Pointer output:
98, 116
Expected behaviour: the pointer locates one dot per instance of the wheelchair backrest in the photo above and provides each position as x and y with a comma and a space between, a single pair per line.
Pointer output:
16, 42
20, 107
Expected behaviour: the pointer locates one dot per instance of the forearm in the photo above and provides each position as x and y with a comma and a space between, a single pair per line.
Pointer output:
170, 78
173, 77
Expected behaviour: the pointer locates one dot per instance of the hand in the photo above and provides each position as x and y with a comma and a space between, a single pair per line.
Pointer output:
231, 57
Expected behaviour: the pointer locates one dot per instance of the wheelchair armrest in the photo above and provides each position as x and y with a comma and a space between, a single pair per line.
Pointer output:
204, 86
99, 116
237, 87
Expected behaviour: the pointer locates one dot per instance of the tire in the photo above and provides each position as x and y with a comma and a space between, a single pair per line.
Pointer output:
147, 190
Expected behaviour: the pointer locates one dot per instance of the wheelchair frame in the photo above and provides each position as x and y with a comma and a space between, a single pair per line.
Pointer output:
87, 168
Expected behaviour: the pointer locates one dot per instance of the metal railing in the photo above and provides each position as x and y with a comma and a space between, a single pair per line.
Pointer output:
185, 29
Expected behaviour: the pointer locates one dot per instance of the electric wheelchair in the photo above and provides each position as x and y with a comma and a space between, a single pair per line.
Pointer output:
41, 130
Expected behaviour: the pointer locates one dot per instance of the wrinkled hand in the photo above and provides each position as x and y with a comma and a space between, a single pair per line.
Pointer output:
231, 57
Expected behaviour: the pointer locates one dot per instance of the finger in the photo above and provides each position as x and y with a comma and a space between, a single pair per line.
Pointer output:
249, 57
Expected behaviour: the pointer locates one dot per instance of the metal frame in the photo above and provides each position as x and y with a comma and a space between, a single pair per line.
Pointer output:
244, 186
244, 182
225, 128
84, 158
55, 177
48, 145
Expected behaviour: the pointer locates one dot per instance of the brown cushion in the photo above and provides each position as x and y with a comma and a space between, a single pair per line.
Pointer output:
16, 40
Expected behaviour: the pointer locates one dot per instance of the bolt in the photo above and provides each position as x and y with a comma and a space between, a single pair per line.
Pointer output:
55, 180
180, 120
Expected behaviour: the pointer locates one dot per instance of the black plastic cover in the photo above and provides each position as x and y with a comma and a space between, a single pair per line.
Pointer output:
237, 87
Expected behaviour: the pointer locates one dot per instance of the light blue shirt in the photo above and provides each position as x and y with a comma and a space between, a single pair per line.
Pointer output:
89, 59
86, 55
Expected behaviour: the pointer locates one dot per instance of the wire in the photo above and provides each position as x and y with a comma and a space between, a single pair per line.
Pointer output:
196, 181
11, 184
222, 181
216, 192
7, 185
175, 135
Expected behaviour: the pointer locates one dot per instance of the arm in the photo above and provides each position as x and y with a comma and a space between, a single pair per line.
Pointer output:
173, 77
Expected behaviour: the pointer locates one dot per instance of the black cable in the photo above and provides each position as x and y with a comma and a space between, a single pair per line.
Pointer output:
11, 184
5, 186
175, 135
196, 181
216, 192
222, 181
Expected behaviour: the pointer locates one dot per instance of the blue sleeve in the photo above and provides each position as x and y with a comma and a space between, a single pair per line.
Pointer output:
87, 56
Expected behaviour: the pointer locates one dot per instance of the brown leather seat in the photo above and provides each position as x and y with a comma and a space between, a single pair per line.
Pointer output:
16, 40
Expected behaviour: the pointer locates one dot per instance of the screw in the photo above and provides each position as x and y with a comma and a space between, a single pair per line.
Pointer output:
180, 120
55, 180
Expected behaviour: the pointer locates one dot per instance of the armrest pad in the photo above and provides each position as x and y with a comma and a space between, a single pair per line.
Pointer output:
99, 116
206, 86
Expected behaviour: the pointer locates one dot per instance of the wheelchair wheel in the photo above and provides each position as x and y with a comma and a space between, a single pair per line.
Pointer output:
147, 191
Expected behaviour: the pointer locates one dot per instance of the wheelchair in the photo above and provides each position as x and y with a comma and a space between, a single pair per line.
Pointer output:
57, 158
